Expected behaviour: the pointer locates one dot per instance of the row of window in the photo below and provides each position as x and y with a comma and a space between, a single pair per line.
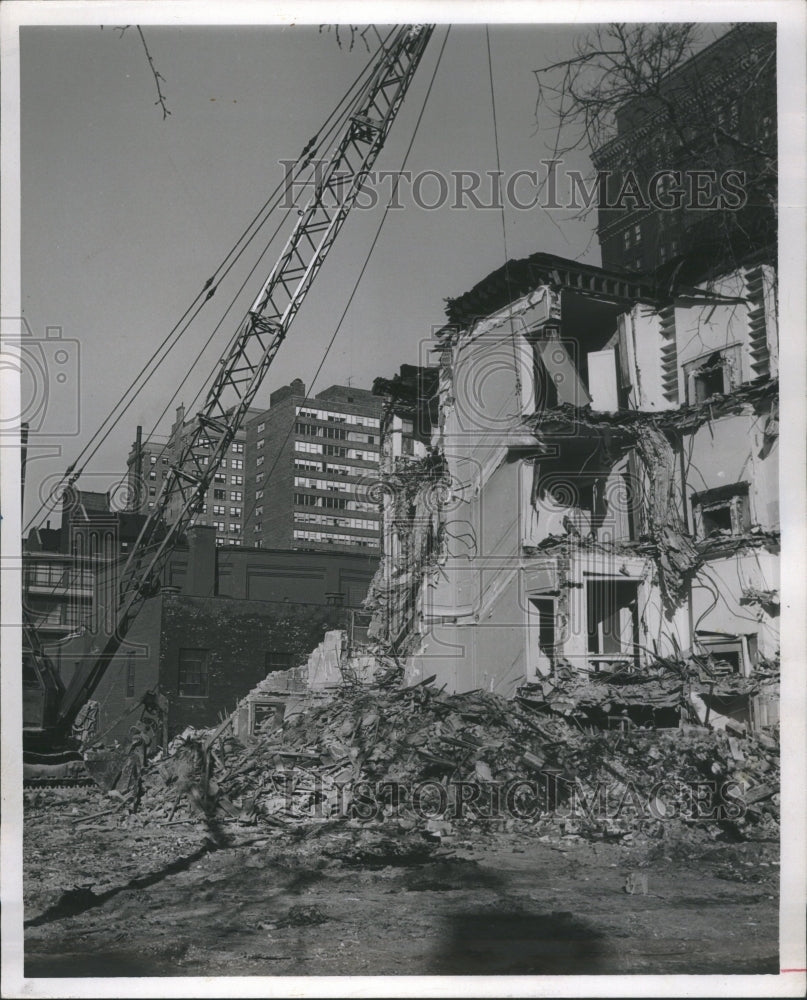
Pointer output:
309, 448
337, 433
194, 671
235, 529
324, 484
57, 574
333, 468
332, 538
365, 524
338, 418
334, 503
220, 510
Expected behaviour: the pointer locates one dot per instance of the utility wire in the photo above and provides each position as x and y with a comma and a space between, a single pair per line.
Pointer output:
357, 282
210, 285
504, 228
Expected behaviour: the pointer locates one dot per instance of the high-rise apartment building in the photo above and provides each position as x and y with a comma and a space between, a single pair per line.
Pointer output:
309, 462
223, 505
296, 475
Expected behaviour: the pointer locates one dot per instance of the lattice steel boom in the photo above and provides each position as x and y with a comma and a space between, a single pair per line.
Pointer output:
259, 337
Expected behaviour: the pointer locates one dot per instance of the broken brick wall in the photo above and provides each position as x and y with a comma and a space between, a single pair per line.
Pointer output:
242, 640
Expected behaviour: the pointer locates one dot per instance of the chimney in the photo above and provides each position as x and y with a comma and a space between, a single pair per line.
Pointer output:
295, 388
200, 576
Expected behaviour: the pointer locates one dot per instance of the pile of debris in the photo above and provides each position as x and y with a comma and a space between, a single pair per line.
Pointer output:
424, 760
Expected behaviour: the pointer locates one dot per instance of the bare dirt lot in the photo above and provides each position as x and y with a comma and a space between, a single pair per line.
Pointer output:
330, 899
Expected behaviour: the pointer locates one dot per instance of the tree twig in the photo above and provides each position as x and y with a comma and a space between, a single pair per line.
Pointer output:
158, 77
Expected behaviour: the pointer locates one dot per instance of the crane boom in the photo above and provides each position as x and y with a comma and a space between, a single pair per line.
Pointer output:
258, 339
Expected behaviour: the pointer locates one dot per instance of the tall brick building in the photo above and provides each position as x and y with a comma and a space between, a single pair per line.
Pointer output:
223, 505
703, 153
308, 463
295, 478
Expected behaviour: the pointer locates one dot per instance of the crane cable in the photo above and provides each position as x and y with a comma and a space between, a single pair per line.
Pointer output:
235, 335
366, 260
504, 228
210, 286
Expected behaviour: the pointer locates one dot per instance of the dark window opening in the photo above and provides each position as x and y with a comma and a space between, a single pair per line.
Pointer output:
193, 673
712, 376
724, 510
709, 383
545, 607
717, 519
274, 660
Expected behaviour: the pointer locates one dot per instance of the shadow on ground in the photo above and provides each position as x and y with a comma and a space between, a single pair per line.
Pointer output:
491, 943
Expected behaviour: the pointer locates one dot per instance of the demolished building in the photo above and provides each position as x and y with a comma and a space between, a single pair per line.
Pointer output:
593, 496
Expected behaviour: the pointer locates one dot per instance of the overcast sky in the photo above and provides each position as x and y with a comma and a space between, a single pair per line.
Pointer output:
124, 215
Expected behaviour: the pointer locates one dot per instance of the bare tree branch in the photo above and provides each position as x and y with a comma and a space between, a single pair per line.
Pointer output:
158, 77
354, 30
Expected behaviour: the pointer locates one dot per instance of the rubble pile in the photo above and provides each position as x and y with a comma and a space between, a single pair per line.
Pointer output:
427, 761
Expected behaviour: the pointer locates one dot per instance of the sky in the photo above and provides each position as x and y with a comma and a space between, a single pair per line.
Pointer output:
125, 215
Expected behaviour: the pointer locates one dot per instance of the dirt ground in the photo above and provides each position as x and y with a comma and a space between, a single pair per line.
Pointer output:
187, 900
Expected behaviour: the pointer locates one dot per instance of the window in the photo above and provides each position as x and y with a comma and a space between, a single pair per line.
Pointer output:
722, 511
235, 529
726, 651
713, 375
219, 478
259, 477
257, 527
272, 660
236, 495
237, 463
153, 459
261, 443
193, 673
152, 475
259, 511
218, 525
238, 448
612, 622
152, 491
224, 463
219, 494
218, 509
259, 460
259, 494
235, 512
260, 429
236, 480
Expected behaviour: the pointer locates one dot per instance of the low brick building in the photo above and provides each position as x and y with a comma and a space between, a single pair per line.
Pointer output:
224, 618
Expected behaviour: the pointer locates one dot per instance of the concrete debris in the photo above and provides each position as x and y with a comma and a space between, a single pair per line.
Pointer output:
419, 762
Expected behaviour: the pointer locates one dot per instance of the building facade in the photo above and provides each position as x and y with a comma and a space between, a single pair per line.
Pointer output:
223, 506
310, 462
296, 477
224, 618
600, 494
690, 174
